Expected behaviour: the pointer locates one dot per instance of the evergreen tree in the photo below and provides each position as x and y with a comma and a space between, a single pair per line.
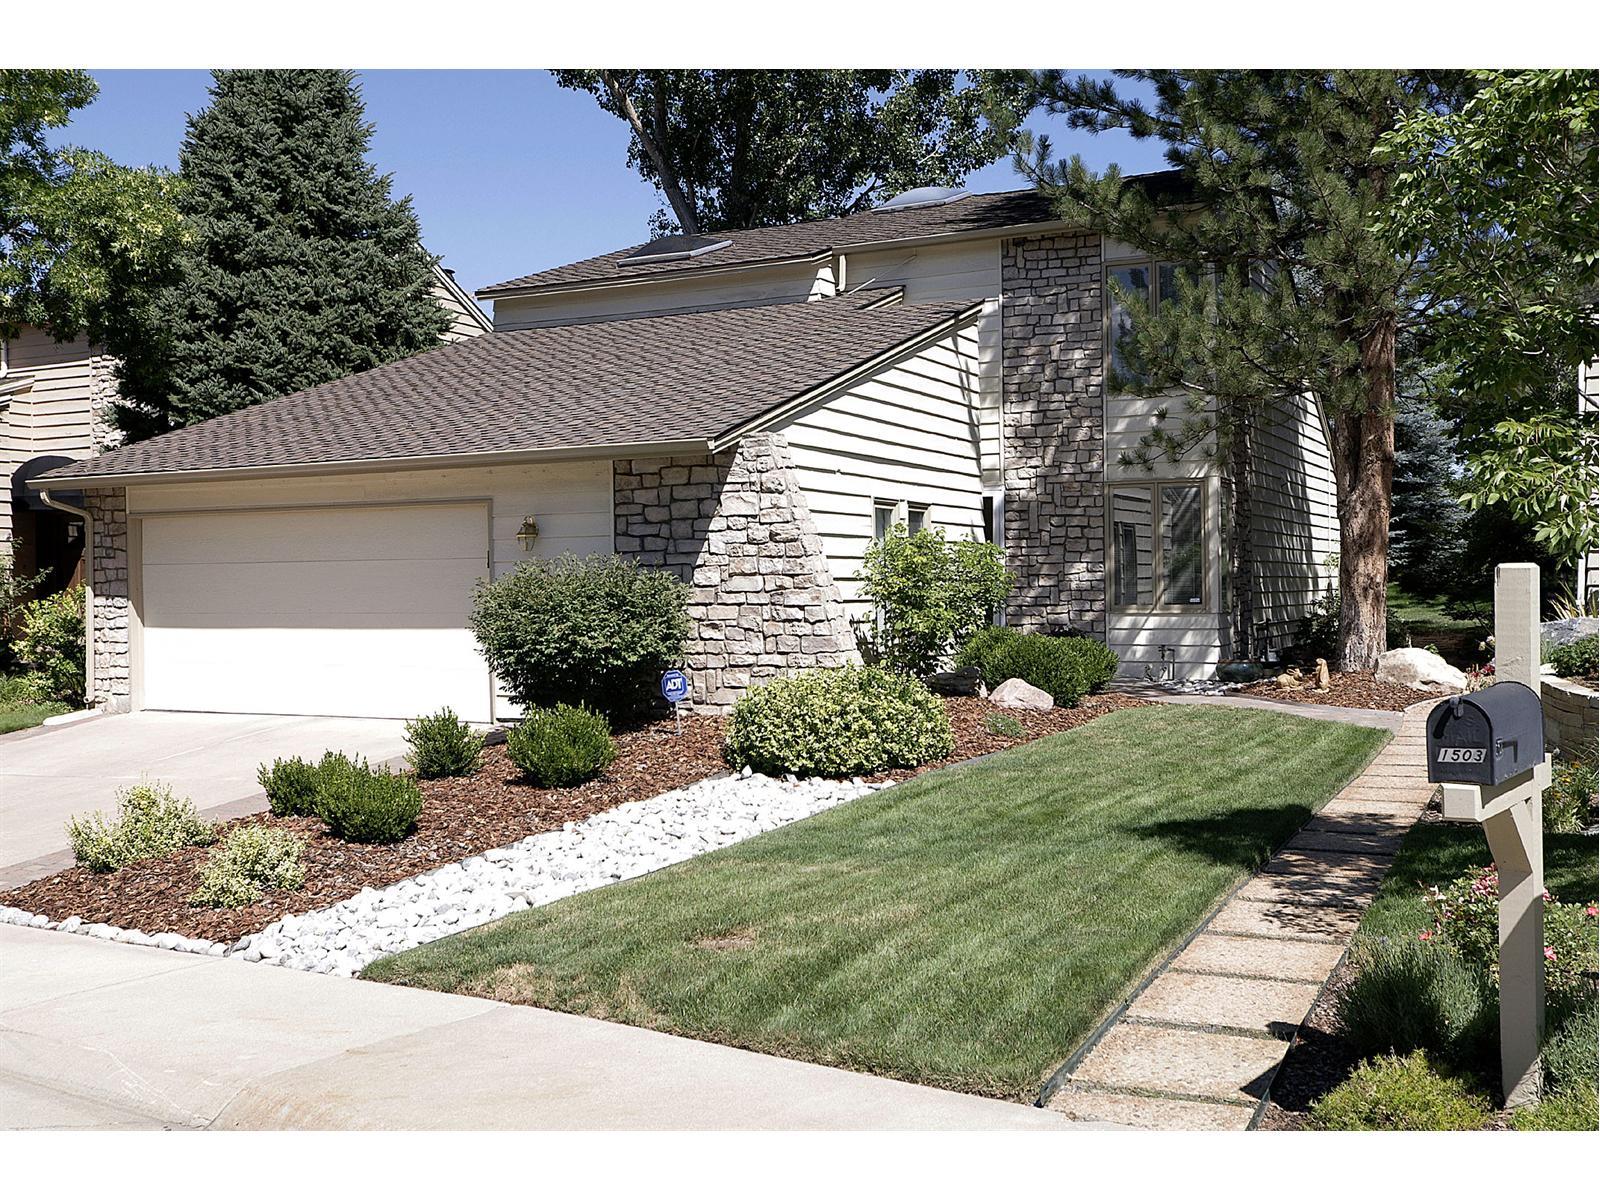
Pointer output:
298, 268
1282, 187
1428, 526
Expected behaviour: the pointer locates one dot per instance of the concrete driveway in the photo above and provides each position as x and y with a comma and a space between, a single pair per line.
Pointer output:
50, 774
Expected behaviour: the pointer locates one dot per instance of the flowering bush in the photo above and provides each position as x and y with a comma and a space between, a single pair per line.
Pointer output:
1467, 915
251, 860
150, 821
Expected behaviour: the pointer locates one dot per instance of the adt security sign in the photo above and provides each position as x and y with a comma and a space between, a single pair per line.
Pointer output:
674, 686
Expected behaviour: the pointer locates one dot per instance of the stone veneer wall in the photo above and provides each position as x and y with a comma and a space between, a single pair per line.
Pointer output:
113, 677
1571, 714
736, 528
1053, 424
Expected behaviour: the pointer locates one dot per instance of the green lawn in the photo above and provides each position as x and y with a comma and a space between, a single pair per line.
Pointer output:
17, 713
1429, 613
966, 929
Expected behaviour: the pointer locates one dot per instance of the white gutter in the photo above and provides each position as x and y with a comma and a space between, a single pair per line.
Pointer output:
88, 586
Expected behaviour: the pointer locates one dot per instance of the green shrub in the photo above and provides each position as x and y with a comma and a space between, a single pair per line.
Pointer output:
359, 804
1004, 725
1569, 801
50, 644
1576, 659
251, 860
838, 722
1415, 995
442, 745
597, 631
1573, 1111
1570, 1056
561, 746
291, 787
1400, 1094
150, 821
929, 595
1066, 667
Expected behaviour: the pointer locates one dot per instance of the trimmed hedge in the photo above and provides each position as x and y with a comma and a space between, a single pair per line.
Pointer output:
291, 786
1066, 667
359, 804
561, 746
838, 721
596, 631
442, 745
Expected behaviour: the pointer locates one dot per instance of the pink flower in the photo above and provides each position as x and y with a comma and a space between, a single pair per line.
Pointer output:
1550, 953
1425, 935
1589, 910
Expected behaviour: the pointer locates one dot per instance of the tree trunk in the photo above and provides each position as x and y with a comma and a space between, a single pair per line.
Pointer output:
1363, 452
1241, 543
681, 208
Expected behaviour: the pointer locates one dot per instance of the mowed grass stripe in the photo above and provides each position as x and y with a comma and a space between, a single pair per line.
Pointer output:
965, 929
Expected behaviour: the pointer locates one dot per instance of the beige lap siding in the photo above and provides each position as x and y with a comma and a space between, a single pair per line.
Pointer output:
736, 528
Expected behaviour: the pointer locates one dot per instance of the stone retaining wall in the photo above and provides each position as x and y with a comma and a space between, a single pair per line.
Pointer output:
112, 674
736, 528
1571, 713
1052, 351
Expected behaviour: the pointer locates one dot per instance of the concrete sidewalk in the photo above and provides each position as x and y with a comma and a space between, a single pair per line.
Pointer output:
97, 1034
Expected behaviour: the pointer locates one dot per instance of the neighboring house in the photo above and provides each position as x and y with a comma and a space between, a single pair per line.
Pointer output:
55, 407
750, 409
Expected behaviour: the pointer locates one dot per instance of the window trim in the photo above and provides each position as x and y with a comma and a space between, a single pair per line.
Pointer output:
1157, 512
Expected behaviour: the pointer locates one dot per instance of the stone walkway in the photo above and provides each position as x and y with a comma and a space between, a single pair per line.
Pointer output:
1199, 1044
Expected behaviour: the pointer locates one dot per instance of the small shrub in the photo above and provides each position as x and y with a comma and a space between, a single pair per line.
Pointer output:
561, 746
1400, 1094
291, 787
1097, 662
251, 860
359, 804
1577, 659
1467, 915
1004, 725
597, 630
1570, 1056
838, 721
150, 821
1569, 801
1577, 1110
1062, 666
929, 595
1415, 995
442, 745
50, 644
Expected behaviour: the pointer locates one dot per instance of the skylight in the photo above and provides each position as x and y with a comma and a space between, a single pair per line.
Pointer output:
922, 197
674, 248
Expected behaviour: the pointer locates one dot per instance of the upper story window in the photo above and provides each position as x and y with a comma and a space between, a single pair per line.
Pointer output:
1144, 282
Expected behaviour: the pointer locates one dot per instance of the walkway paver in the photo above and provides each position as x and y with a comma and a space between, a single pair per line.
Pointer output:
1198, 1046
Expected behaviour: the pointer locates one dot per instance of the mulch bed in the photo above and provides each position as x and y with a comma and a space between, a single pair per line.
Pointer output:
1346, 689
460, 818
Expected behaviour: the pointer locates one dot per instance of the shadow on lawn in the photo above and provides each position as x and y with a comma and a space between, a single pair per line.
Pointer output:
1244, 838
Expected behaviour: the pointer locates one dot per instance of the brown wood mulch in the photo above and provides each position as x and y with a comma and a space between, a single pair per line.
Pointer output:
1346, 689
460, 818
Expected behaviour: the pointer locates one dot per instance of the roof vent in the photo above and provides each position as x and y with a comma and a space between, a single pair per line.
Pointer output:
922, 197
674, 248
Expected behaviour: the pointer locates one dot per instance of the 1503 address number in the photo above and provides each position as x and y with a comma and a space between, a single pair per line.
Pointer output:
1462, 754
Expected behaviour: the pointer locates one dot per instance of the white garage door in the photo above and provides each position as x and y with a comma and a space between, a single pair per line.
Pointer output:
339, 611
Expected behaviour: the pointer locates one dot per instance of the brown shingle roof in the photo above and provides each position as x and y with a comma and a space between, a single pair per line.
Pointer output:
971, 214
688, 377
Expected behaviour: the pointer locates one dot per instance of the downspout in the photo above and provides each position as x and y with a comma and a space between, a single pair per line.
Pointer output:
88, 587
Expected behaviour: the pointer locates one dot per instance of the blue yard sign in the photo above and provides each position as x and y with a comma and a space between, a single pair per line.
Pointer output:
674, 686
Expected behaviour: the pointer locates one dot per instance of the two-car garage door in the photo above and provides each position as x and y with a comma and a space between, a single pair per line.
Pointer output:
349, 610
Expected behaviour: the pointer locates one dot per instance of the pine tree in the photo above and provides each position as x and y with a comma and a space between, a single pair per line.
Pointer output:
1282, 183
298, 268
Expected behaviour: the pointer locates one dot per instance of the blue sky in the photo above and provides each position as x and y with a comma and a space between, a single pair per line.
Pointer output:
509, 172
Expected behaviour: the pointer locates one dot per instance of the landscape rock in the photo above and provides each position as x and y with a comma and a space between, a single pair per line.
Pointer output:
966, 681
1414, 667
1016, 693
1559, 633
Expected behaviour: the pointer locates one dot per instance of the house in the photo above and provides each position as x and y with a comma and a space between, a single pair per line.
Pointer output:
748, 408
55, 407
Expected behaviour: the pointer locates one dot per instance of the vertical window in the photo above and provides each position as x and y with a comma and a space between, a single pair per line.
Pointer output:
991, 519
1158, 555
882, 519
1135, 282
1182, 545
916, 517
1133, 546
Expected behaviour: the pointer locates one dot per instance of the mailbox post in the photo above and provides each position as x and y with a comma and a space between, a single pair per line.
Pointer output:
1488, 752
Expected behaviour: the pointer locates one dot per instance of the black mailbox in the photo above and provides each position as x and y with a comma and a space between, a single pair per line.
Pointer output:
1486, 738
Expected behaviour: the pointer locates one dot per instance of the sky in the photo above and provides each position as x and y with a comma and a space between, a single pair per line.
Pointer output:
509, 173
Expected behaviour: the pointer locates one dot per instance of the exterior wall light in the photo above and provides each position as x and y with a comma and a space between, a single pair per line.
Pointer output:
527, 533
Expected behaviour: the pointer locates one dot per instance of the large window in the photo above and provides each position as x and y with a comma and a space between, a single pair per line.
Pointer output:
1148, 283
1158, 558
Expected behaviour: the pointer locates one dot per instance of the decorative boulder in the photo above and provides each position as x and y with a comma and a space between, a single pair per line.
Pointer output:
965, 681
1559, 633
1016, 693
1414, 667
